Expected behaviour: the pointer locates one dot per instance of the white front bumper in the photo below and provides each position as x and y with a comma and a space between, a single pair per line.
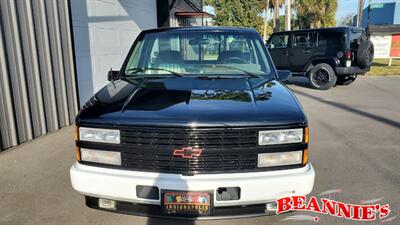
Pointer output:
257, 187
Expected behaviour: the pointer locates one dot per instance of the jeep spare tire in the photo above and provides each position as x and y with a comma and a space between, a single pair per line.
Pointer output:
365, 54
322, 76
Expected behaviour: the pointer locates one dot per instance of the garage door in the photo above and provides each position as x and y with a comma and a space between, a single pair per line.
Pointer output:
104, 30
37, 77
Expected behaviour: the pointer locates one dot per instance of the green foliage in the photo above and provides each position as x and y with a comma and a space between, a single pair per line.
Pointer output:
272, 3
243, 13
346, 20
281, 24
316, 13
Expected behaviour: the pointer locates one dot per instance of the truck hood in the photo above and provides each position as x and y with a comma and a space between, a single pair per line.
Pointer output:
190, 101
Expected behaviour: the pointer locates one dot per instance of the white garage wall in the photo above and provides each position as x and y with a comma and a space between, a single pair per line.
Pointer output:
104, 30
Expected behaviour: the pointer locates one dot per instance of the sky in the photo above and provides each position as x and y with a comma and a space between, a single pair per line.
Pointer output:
346, 7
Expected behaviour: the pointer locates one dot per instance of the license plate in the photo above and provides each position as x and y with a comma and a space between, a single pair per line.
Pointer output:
195, 203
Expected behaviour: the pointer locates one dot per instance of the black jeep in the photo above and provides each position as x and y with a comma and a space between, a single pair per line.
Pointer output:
327, 56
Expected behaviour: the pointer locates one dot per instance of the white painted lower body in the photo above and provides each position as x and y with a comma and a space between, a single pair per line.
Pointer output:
255, 187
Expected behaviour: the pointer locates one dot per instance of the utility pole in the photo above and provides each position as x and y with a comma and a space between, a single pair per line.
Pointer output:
359, 14
266, 19
288, 15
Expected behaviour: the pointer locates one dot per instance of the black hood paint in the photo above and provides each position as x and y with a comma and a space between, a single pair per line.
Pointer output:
189, 101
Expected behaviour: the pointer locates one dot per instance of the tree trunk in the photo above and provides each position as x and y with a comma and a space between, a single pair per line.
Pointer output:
288, 15
266, 20
276, 16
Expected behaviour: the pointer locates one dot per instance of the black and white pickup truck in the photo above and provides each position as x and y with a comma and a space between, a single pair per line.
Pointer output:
196, 124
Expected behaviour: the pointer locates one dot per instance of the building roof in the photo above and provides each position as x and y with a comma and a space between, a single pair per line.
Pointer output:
384, 28
319, 29
194, 14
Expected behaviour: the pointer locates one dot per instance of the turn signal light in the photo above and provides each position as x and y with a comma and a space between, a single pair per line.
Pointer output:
76, 133
78, 154
305, 157
306, 135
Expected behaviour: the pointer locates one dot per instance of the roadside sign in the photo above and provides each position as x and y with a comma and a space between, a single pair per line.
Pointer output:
395, 48
382, 44
377, 5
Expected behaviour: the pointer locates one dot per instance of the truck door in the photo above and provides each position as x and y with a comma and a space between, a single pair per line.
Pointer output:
303, 44
279, 50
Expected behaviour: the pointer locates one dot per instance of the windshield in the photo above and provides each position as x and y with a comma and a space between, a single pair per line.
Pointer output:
198, 54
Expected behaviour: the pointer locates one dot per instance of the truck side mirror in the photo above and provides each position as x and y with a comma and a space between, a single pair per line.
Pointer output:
112, 75
284, 75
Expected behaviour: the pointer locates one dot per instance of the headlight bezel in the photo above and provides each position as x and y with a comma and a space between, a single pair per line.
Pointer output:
99, 135
287, 134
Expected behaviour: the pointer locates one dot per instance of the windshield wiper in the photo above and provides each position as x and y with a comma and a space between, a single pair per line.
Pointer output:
235, 68
143, 69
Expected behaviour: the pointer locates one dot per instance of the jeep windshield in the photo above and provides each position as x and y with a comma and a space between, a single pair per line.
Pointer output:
198, 53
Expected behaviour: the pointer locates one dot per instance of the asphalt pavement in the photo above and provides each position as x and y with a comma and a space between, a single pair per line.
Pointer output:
354, 147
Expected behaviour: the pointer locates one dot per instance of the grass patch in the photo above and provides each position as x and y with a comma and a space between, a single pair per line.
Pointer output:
380, 67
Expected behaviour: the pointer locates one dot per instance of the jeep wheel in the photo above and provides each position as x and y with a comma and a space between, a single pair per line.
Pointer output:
322, 76
346, 80
365, 54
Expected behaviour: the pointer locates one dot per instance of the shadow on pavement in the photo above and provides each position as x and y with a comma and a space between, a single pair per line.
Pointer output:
299, 81
381, 119
158, 221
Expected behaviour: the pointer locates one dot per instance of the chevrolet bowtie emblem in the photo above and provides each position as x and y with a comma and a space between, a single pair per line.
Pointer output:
188, 152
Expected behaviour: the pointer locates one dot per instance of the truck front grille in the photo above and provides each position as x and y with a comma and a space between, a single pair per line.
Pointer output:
165, 138
224, 150
160, 143
206, 163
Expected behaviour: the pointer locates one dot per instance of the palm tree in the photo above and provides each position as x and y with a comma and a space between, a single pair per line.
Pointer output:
316, 13
276, 4
265, 19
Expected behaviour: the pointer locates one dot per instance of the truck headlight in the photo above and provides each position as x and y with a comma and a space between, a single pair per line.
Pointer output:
100, 156
99, 135
273, 137
280, 158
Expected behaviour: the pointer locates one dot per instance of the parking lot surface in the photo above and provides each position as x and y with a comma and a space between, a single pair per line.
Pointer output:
354, 146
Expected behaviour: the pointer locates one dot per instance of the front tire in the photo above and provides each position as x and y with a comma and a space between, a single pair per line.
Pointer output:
322, 76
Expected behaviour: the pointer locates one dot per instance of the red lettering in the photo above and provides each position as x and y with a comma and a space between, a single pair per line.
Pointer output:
329, 206
356, 212
283, 205
384, 211
298, 202
368, 212
313, 205
343, 210
334, 208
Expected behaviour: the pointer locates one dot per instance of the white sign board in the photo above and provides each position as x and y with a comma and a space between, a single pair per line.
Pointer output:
382, 45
